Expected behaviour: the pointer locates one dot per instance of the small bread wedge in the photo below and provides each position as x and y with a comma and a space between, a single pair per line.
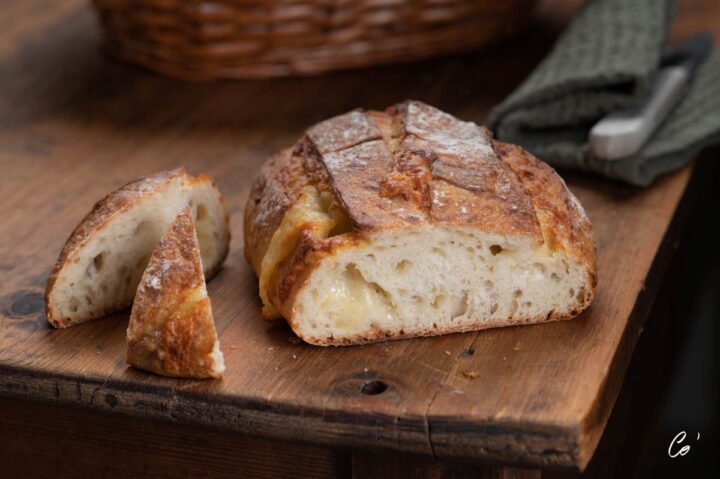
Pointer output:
100, 266
171, 330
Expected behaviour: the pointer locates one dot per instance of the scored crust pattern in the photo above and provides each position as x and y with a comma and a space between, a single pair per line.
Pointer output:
408, 166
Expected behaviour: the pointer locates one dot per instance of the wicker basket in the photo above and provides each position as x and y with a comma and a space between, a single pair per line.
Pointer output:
204, 40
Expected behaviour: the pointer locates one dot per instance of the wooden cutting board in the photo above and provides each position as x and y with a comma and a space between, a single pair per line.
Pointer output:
74, 126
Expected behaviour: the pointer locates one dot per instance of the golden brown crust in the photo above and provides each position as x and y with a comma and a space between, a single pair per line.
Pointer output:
469, 184
564, 224
271, 195
407, 166
171, 330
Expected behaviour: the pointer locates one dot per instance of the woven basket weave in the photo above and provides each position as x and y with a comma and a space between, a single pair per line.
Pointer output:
204, 40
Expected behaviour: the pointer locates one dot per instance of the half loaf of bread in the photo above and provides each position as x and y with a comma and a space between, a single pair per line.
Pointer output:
100, 266
171, 330
410, 222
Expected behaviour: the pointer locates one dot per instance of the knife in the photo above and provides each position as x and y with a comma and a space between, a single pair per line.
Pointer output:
622, 134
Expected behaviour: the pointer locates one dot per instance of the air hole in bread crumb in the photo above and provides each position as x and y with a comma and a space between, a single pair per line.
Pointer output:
555, 277
381, 291
572, 292
513, 307
489, 284
99, 261
493, 308
461, 306
201, 212
438, 251
518, 293
74, 304
495, 249
527, 304
402, 266
143, 227
438, 301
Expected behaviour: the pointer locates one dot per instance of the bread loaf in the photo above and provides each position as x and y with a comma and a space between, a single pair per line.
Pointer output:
100, 266
410, 222
171, 330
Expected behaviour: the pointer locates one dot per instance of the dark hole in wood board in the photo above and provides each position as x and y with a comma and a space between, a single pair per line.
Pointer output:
469, 351
373, 387
111, 400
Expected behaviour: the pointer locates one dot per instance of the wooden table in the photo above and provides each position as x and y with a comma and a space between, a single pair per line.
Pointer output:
74, 125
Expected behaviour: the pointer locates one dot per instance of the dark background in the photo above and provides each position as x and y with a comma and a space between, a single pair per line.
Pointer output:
673, 382
691, 402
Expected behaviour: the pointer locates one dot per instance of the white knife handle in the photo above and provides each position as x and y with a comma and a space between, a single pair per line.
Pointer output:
623, 134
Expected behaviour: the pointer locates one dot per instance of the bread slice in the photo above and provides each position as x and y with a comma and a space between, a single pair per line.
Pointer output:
171, 330
100, 266
410, 222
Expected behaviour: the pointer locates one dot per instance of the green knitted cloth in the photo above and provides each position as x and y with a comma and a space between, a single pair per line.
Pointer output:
603, 62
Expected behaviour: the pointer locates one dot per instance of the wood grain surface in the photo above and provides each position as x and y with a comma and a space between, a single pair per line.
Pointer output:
74, 125
51, 441
367, 465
